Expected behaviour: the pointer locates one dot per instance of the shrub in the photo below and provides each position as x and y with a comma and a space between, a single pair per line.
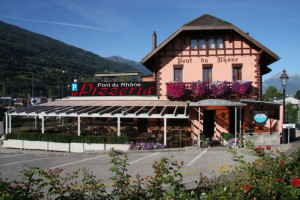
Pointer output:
227, 136
94, 139
176, 89
117, 139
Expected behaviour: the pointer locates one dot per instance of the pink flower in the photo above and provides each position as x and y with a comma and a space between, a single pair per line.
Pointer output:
268, 148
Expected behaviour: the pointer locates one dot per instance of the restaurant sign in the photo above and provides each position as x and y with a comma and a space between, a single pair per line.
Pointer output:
260, 117
113, 89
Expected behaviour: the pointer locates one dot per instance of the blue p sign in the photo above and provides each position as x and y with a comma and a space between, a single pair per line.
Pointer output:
74, 87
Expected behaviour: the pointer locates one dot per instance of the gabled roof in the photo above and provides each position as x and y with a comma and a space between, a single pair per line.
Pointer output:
208, 22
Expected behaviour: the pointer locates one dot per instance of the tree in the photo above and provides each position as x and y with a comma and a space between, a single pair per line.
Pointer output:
270, 93
297, 95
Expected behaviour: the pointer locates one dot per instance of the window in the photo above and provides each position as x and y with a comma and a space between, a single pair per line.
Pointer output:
237, 73
211, 43
207, 73
194, 44
178, 74
202, 44
220, 43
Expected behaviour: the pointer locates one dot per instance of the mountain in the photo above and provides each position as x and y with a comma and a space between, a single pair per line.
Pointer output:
51, 65
291, 88
138, 66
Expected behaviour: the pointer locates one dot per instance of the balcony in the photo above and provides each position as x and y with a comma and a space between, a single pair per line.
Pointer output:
195, 91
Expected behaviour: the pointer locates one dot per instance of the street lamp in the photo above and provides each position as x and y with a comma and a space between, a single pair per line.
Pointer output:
284, 79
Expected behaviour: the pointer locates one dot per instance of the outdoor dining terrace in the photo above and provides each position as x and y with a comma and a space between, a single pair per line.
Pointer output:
177, 136
217, 89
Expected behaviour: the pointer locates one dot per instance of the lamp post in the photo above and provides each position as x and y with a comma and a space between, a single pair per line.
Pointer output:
284, 79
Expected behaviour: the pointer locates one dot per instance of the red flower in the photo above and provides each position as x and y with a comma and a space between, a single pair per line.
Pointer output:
259, 150
268, 148
295, 182
247, 188
280, 179
282, 162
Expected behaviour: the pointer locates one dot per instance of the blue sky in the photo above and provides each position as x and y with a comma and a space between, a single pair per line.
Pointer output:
125, 27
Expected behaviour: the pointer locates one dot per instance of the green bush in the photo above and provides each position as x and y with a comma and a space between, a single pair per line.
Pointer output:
77, 139
228, 136
94, 139
117, 139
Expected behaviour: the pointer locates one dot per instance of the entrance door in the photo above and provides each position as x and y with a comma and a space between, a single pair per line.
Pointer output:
209, 123
142, 125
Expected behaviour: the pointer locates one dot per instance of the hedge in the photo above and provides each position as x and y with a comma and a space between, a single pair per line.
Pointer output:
66, 138
117, 139
228, 136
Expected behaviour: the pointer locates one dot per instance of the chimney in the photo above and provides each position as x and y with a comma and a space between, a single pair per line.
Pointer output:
154, 40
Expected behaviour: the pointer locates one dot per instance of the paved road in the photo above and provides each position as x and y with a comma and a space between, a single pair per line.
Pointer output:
195, 161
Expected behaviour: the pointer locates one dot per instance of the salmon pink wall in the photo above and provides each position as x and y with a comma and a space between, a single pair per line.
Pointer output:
192, 61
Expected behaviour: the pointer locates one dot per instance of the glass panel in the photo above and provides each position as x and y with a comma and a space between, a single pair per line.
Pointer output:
177, 74
202, 44
193, 44
211, 43
220, 43
237, 73
207, 74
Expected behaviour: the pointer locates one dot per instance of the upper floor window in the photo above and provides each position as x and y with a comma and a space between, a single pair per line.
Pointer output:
194, 44
202, 44
178, 70
207, 73
220, 43
211, 43
236, 72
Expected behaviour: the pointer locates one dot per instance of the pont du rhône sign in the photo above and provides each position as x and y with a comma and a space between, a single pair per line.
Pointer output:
113, 89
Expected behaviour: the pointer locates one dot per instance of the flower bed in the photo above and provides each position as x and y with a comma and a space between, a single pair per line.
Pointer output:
199, 88
176, 89
219, 87
145, 146
240, 87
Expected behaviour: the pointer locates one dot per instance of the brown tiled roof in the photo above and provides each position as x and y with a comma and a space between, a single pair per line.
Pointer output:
207, 20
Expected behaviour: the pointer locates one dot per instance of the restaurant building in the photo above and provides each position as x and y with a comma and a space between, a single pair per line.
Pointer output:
207, 79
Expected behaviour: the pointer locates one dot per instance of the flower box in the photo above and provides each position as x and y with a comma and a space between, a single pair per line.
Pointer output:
176, 89
240, 87
219, 87
199, 88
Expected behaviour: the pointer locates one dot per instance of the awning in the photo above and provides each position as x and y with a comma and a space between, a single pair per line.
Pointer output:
106, 108
261, 102
217, 102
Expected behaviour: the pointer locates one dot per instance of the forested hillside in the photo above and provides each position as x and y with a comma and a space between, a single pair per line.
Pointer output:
52, 64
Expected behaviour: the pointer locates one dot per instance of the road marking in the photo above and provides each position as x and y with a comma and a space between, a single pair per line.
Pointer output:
143, 158
196, 158
8, 156
79, 161
23, 161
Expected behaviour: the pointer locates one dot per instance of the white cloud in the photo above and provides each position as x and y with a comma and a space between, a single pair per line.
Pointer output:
59, 23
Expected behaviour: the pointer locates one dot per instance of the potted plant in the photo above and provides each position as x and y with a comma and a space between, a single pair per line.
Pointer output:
240, 87
176, 89
199, 88
219, 87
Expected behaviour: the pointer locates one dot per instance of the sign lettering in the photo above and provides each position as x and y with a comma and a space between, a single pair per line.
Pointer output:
114, 89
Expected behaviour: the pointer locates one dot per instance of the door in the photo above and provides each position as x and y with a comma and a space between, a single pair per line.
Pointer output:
209, 123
